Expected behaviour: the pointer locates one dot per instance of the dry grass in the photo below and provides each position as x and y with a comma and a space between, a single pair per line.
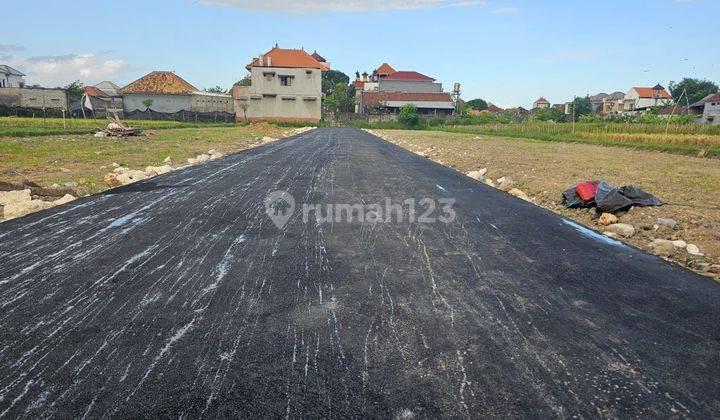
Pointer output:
545, 169
85, 159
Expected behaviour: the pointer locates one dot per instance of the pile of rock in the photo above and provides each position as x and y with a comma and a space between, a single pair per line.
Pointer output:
122, 175
18, 203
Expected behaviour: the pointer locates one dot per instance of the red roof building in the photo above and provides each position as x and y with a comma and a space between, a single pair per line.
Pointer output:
409, 75
286, 58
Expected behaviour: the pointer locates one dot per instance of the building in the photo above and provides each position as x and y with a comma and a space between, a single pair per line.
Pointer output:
710, 107
641, 99
410, 82
97, 103
541, 103
612, 104
169, 93
11, 78
286, 86
596, 102
110, 88
34, 97
495, 110
389, 103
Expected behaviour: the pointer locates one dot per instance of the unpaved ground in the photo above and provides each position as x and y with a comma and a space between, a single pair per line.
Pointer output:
84, 159
545, 169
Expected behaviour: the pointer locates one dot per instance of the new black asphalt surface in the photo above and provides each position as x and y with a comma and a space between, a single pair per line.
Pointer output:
177, 297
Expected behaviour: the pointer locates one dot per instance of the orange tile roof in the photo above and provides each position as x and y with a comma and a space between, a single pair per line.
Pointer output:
646, 92
162, 82
284, 58
385, 68
542, 100
95, 92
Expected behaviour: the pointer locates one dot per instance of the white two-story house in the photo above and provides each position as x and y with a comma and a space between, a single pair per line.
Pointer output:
640, 99
286, 86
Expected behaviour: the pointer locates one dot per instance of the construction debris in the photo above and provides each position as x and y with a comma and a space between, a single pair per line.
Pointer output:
607, 199
116, 128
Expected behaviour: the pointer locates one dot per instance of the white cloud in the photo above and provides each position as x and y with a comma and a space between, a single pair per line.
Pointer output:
318, 6
51, 71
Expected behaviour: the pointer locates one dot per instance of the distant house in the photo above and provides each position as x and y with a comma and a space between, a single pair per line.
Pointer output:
641, 99
170, 94
710, 107
541, 103
496, 110
11, 78
96, 102
409, 82
110, 88
596, 101
612, 104
389, 103
286, 86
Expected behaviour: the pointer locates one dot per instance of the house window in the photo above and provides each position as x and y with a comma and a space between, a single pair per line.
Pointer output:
268, 77
286, 80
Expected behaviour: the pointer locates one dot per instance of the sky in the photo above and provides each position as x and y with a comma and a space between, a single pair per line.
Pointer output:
508, 52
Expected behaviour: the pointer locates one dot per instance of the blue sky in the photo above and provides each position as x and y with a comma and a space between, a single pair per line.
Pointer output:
506, 51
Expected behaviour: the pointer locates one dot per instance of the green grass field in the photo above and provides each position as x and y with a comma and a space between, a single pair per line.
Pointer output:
27, 127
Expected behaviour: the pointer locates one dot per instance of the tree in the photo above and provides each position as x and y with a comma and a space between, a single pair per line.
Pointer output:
245, 81
478, 104
339, 100
550, 114
580, 106
74, 91
147, 103
216, 89
409, 115
243, 105
694, 90
331, 78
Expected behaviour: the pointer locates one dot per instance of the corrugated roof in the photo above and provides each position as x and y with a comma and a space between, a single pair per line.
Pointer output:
161, 82
646, 92
372, 98
9, 70
285, 58
409, 75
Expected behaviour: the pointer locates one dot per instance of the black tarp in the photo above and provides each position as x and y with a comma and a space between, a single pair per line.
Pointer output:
609, 199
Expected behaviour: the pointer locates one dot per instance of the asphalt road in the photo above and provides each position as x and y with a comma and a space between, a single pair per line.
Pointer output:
177, 297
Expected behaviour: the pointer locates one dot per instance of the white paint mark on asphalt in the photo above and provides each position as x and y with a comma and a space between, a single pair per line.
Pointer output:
589, 233
440, 187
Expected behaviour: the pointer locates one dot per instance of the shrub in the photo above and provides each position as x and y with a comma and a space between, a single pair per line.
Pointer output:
409, 115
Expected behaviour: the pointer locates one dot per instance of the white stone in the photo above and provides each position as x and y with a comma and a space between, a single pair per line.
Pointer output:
622, 229
64, 199
680, 244
692, 249
18, 196
167, 160
18, 209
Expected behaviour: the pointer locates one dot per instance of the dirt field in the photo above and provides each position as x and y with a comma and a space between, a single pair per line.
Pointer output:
545, 169
84, 159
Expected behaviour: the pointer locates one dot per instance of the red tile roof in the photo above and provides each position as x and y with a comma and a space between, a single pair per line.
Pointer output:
284, 58
94, 92
359, 84
372, 98
542, 100
409, 75
318, 57
386, 69
494, 109
646, 92
162, 82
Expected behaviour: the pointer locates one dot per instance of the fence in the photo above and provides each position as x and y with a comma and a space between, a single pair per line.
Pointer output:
188, 116
13, 111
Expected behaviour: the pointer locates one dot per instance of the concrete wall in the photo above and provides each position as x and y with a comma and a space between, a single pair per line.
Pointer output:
212, 103
161, 103
411, 86
269, 99
711, 114
34, 98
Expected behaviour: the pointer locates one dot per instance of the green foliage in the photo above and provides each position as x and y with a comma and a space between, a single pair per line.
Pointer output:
409, 115
550, 114
478, 104
216, 89
245, 81
340, 100
332, 78
74, 90
147, 103
580, 107
695, 90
